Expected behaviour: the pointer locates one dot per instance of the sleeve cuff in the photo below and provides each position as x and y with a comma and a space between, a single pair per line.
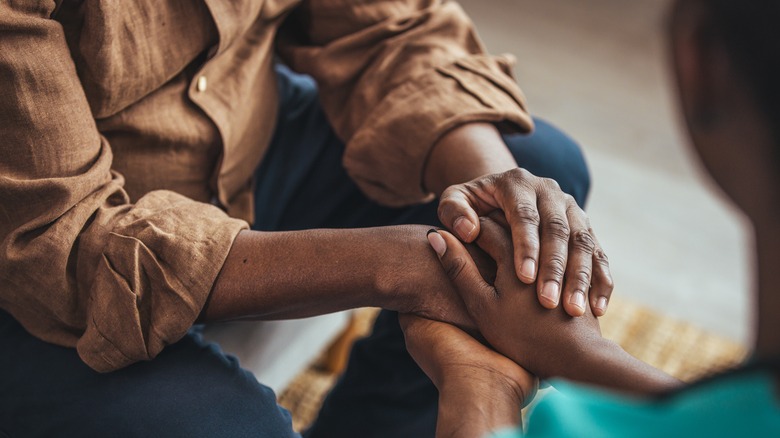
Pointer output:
387, 155
152, 275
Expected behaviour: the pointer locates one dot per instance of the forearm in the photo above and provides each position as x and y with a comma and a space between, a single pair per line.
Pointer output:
606, 364
465, 153
476, 416
283, 275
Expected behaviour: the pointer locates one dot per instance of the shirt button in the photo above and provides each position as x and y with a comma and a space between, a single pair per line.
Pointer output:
201, 84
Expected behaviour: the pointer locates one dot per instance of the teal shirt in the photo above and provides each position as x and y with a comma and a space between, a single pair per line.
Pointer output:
736, 405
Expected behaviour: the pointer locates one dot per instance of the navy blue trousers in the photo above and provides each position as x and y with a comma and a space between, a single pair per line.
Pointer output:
193, 389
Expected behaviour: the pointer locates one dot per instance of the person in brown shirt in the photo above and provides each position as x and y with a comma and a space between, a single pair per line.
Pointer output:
138, 141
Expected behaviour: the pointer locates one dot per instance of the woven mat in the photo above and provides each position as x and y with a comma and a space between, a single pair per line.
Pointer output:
676, 347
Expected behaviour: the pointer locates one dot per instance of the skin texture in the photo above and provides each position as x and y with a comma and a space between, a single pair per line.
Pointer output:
552, 237
321, 271
546, 343
733, 137
481, 387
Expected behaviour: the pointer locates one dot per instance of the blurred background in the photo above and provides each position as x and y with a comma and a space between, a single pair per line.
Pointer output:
679, 251
599, 70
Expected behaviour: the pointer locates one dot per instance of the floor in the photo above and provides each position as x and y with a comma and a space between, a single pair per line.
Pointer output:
598, 69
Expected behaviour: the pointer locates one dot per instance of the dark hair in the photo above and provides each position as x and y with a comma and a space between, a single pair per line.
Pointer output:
750, 30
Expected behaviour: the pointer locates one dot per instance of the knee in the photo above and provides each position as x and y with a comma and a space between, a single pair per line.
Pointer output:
550, 153
573, 174
204, 393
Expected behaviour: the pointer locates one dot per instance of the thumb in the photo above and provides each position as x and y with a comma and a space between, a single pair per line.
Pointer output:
462, 272
458, 214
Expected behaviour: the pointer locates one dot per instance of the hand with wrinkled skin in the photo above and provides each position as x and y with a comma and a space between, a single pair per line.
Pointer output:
479, 390
555, 246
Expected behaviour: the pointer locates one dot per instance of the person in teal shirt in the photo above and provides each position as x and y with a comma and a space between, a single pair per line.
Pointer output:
726, 58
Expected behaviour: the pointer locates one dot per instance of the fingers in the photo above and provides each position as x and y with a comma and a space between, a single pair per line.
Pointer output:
555, 233
580, 262
495, 239
513, 192
485, 263
441, 349
458, 211
517, 198
602, 284
553, 243
462, 271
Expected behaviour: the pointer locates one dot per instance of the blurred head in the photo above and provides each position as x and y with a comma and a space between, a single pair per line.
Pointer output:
726, 56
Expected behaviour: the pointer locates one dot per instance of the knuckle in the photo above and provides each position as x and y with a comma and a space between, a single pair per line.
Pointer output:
450, 206
582, 240
455, 268
445, 214
521, 177
451, 192
609, 283
484, 183
551, 184
556, 265
441, 210
448, 196
556, 226
508, 183
601, 257
526, 213
447, 192
492, 293
608, 286
518, 173
582, 276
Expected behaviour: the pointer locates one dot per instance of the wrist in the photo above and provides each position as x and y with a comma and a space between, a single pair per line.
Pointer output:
410, 279
471, 409
409, 263
464, 153
582, 357
296, 274
607, 364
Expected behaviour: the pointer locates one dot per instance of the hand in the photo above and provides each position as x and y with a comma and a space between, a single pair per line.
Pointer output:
549, 232
412, 275
479, 390
546, 343
508, 314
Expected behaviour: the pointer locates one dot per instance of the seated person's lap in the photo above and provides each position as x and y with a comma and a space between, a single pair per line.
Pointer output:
192, 388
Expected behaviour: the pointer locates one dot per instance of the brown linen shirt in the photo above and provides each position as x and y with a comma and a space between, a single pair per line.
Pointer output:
130, 130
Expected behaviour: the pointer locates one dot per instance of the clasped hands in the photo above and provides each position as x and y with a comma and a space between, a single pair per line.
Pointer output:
518, 222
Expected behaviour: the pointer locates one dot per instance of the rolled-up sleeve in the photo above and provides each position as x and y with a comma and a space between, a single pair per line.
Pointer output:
394, 77
79, 264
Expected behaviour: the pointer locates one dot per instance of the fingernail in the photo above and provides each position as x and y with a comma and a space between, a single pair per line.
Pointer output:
601, 304
528, 269
437, 242
551, 291
578, 299
463, 227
